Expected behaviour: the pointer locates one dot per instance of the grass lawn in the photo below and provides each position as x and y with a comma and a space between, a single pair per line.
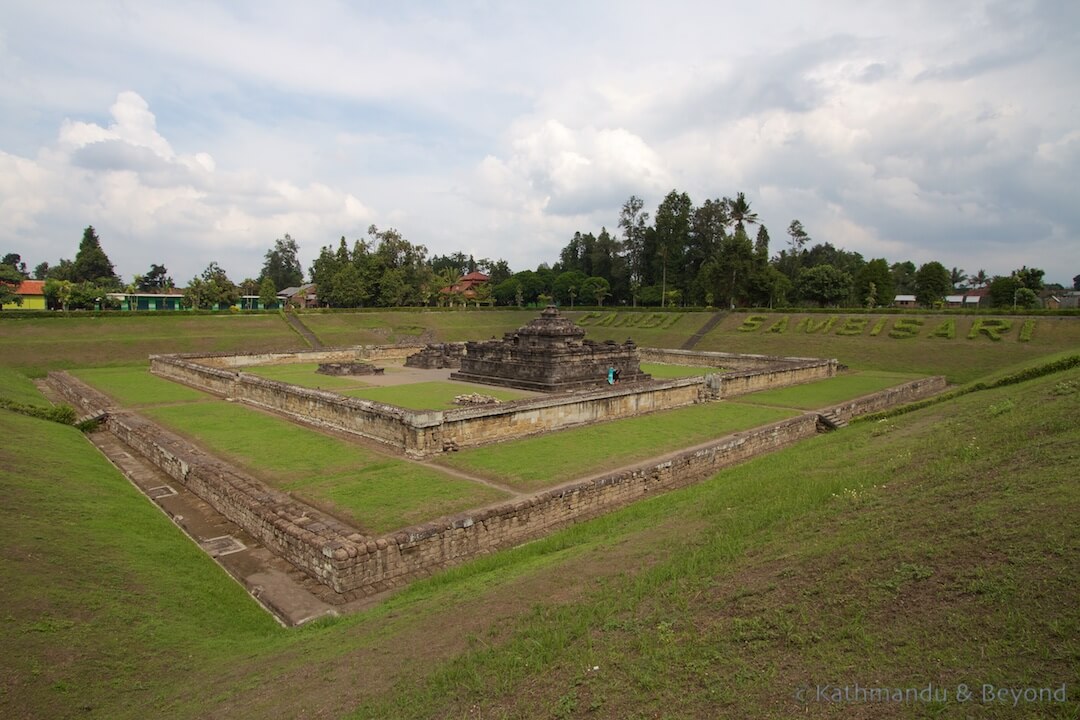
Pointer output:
18, 388
374, 492
365, 328
663, 371
136, 387
897, 554
548, 459
822, 393
54, 342
894, 553
430, 395
304, 375
661, 330
959, 359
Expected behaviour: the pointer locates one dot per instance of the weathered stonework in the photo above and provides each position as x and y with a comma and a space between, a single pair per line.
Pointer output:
348, 368
549, 354
420, 433
353, 565
437, 356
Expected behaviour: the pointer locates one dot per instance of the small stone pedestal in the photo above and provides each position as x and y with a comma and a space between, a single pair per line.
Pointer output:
349, 368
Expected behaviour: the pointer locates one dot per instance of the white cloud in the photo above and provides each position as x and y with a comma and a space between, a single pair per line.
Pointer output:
151, 204
902, 129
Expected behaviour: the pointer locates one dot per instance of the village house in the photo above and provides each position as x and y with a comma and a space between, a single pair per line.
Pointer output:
467, 286
32, 293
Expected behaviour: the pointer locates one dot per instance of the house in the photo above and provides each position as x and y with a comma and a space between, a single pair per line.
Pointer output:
252, 302
968, 300
165, 300
1070, 299
303, 296
905, 301
32, 293
980, 297
467, 285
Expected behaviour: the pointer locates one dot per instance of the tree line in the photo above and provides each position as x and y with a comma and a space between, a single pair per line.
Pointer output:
681, 255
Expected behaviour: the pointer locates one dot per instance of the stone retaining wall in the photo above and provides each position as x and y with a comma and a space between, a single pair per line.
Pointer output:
353, 564
348, 562
890, 397
424, 433
727, 361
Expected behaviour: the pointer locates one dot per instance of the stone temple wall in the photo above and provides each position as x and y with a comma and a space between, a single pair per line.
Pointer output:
355, 565
423, 433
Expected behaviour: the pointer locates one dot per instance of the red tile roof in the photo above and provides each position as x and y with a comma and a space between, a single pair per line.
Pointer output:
31, 287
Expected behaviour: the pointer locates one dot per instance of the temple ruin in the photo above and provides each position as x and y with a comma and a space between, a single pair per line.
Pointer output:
550, 354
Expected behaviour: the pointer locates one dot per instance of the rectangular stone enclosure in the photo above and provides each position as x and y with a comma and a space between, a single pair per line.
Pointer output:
422, 433
353, 564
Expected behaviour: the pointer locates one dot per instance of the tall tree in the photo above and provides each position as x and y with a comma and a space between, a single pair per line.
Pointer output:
932, 283
92, 264
10, 277
211, 289
282, 264
672, 234
267, 293
1031, 278
958, 278
740, 213
824, 284
874, 284
14, 260
633, 221
979, 279
156, 279
708, 231
903, 275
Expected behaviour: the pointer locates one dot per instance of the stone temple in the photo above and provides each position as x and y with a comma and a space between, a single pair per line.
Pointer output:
549, 354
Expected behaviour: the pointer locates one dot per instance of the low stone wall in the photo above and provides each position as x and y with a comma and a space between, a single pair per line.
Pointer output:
733, 384
348, 562
890, 397
424, 433
416, 551
340, 354
301, 534
469, 427
727, 361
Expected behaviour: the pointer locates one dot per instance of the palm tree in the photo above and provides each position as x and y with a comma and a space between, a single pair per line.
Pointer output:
447, 278
979, 279
957, 276
739, 212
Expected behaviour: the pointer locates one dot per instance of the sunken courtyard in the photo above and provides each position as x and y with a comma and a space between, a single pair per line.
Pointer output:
566, 381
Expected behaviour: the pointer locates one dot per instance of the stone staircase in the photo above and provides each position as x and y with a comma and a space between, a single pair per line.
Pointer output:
829, 421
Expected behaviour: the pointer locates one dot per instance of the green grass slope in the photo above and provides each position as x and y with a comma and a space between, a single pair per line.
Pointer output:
910, 347
51, 343
935, 547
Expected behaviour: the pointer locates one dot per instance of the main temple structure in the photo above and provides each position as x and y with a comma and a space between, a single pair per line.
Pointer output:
550, 354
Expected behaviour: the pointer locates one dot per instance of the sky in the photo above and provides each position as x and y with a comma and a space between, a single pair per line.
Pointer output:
194, 132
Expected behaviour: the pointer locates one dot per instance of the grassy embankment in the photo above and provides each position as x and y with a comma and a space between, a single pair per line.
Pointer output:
961, 358
901, 553
939, 546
